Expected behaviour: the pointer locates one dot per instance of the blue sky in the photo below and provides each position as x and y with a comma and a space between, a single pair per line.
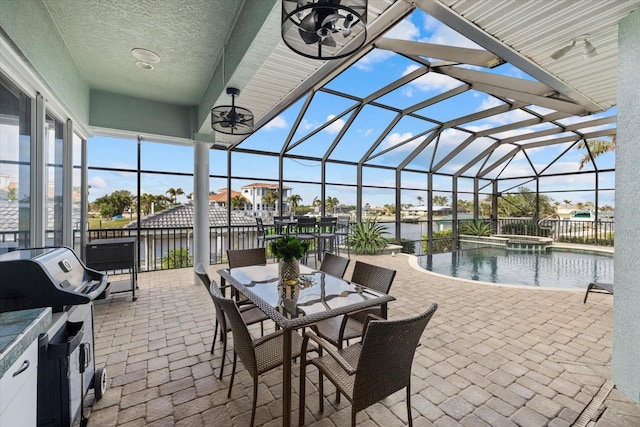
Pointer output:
371, 73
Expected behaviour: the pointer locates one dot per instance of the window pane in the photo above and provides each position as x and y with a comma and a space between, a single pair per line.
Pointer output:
53, 140
15, 167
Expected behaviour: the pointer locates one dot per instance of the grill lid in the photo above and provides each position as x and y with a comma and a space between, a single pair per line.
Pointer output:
46, 277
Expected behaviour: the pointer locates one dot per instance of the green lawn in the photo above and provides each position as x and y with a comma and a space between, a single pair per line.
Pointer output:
97, 223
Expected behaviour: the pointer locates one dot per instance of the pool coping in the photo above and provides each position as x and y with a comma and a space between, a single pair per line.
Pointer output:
413, 263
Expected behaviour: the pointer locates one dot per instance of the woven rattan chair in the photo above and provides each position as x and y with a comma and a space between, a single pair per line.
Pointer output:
257, 355
246, 257
337, 329
334, 265
371, 370
250, 314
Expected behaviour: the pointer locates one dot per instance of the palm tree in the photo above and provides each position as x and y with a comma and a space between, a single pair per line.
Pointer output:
174, 193
596, 147
237, 201
440, 200
566, 202
271, 198
420, 199
331, 203
295, 200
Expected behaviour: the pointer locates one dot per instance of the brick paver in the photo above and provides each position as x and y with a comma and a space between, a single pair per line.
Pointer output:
491, 355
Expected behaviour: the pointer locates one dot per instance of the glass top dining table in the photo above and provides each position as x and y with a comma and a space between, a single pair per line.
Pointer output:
318, 296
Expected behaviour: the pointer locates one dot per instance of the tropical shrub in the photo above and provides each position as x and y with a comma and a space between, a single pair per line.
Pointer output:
475, 227
366, 237
177, 258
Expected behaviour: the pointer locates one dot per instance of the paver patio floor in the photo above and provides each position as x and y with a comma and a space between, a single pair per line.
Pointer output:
491, 356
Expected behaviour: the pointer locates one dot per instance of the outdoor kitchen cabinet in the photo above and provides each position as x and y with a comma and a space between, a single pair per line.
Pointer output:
18, 390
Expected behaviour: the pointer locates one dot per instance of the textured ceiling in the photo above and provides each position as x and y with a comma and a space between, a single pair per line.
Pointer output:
187, 35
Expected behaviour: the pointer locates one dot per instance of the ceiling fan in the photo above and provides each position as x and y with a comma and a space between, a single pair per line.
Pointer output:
318, 22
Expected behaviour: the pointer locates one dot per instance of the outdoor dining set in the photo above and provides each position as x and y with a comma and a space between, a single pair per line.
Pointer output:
324, 234
343, 324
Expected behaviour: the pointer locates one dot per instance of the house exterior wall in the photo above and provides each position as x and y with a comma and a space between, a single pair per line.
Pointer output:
626, 300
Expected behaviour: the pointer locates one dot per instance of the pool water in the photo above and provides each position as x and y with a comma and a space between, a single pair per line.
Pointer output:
557, 269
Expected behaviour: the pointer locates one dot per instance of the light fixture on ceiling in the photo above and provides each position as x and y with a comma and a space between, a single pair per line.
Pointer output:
588, 50
324, 29
231, 119
145, 58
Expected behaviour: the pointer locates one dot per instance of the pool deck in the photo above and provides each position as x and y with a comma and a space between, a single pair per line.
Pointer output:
491, 356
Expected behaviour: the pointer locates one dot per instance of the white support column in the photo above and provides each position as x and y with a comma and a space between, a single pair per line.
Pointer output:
38, 176
201, 240
626, 300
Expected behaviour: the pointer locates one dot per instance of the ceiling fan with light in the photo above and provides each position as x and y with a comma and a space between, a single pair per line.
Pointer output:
324, 29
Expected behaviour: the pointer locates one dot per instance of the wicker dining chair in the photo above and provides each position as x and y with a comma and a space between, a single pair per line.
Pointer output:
337, 329
250, 314
334, 265
258, 355
371, 370
246, 257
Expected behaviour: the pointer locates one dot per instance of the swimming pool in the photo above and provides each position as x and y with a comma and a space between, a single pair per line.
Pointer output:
557, 269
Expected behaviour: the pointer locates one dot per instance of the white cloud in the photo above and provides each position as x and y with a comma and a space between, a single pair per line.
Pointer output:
489, 102
431, 81
278, 122
306, 125
374, 57
334, 127
396, 138
97, 182
441, 34
404, 30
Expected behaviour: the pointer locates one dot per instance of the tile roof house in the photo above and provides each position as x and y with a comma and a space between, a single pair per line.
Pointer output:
182, 216
220, 199
254, 192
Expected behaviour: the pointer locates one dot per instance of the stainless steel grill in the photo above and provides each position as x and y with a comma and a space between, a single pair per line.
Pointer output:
56, 278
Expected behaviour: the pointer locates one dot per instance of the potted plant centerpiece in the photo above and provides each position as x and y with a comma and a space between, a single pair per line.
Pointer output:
289, 250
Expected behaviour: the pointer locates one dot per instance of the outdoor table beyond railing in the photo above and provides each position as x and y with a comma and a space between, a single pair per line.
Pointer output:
318, 296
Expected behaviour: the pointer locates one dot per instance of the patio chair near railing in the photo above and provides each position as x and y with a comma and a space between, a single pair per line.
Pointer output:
246, 257
249, 312
266, 234
369, 371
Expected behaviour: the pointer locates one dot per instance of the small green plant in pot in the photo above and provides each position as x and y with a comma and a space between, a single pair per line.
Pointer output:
289, 250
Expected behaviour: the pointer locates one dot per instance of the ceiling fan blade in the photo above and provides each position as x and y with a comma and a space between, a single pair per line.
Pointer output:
309, 37
329, 41
309, 22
